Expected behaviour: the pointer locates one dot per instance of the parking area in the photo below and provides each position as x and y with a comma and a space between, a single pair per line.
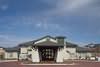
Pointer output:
74, 64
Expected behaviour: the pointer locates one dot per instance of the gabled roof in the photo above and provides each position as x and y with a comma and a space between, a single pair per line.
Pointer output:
31, 43
48, 43
45, 37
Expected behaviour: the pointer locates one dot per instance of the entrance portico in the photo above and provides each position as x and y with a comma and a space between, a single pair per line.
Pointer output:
48, 50
47, 53
45, 49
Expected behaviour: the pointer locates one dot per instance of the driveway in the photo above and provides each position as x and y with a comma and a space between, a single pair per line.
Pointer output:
75, 64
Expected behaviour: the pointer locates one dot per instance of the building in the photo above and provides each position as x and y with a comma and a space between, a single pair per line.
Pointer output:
11, 53
2, 53
48, 49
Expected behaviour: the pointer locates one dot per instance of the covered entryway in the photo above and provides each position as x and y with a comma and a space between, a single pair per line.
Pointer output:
48, 49
47, 53
2, 57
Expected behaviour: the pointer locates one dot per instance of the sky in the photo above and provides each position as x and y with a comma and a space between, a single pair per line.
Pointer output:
27, 20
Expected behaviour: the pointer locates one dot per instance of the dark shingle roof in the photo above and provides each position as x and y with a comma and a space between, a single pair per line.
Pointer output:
68, 44
31, 43
14, 49
96, 45
26, 44
2, 47
92, 45
84, 49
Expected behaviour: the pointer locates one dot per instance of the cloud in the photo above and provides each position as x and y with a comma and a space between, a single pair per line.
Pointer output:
75, 7
72, 5
63, 16
43, 23
2, 36
11, 40
38, 25
4, 7
48, 26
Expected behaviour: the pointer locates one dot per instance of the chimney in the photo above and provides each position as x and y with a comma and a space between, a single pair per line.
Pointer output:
60, 39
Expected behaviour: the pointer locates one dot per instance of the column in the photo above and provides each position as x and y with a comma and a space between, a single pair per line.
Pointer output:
59, 55
35, 55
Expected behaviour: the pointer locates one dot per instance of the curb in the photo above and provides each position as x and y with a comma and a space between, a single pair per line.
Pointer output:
7, 61
48, 64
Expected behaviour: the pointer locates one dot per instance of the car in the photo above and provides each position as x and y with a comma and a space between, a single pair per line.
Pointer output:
92, 58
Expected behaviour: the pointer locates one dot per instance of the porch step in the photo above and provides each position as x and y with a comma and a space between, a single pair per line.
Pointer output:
51, 62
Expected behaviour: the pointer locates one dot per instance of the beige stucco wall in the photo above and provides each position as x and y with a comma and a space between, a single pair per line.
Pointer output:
84, 55
70, 53
60, 55
23, 50
35, 55
2, 51
71, 50
11, 55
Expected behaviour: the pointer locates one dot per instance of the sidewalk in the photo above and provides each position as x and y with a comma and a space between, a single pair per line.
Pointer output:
7, 60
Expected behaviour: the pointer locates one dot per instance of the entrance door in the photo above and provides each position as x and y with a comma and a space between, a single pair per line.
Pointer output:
48, 53
2, 57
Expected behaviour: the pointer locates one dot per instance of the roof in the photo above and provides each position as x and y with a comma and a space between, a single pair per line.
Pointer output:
84, 49
93, 45
48, 43
61, 37
26, 44
45, 37
31, 43
96, 45
14, 49
1, 47
68, 44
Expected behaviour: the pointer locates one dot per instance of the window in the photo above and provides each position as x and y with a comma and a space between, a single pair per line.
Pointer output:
29, 49
10, 54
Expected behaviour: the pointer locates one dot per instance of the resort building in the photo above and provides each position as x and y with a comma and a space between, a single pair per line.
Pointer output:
47, 49
2, 53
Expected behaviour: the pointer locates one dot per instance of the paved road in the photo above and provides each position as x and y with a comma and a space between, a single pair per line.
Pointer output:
10, 64
77, 64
